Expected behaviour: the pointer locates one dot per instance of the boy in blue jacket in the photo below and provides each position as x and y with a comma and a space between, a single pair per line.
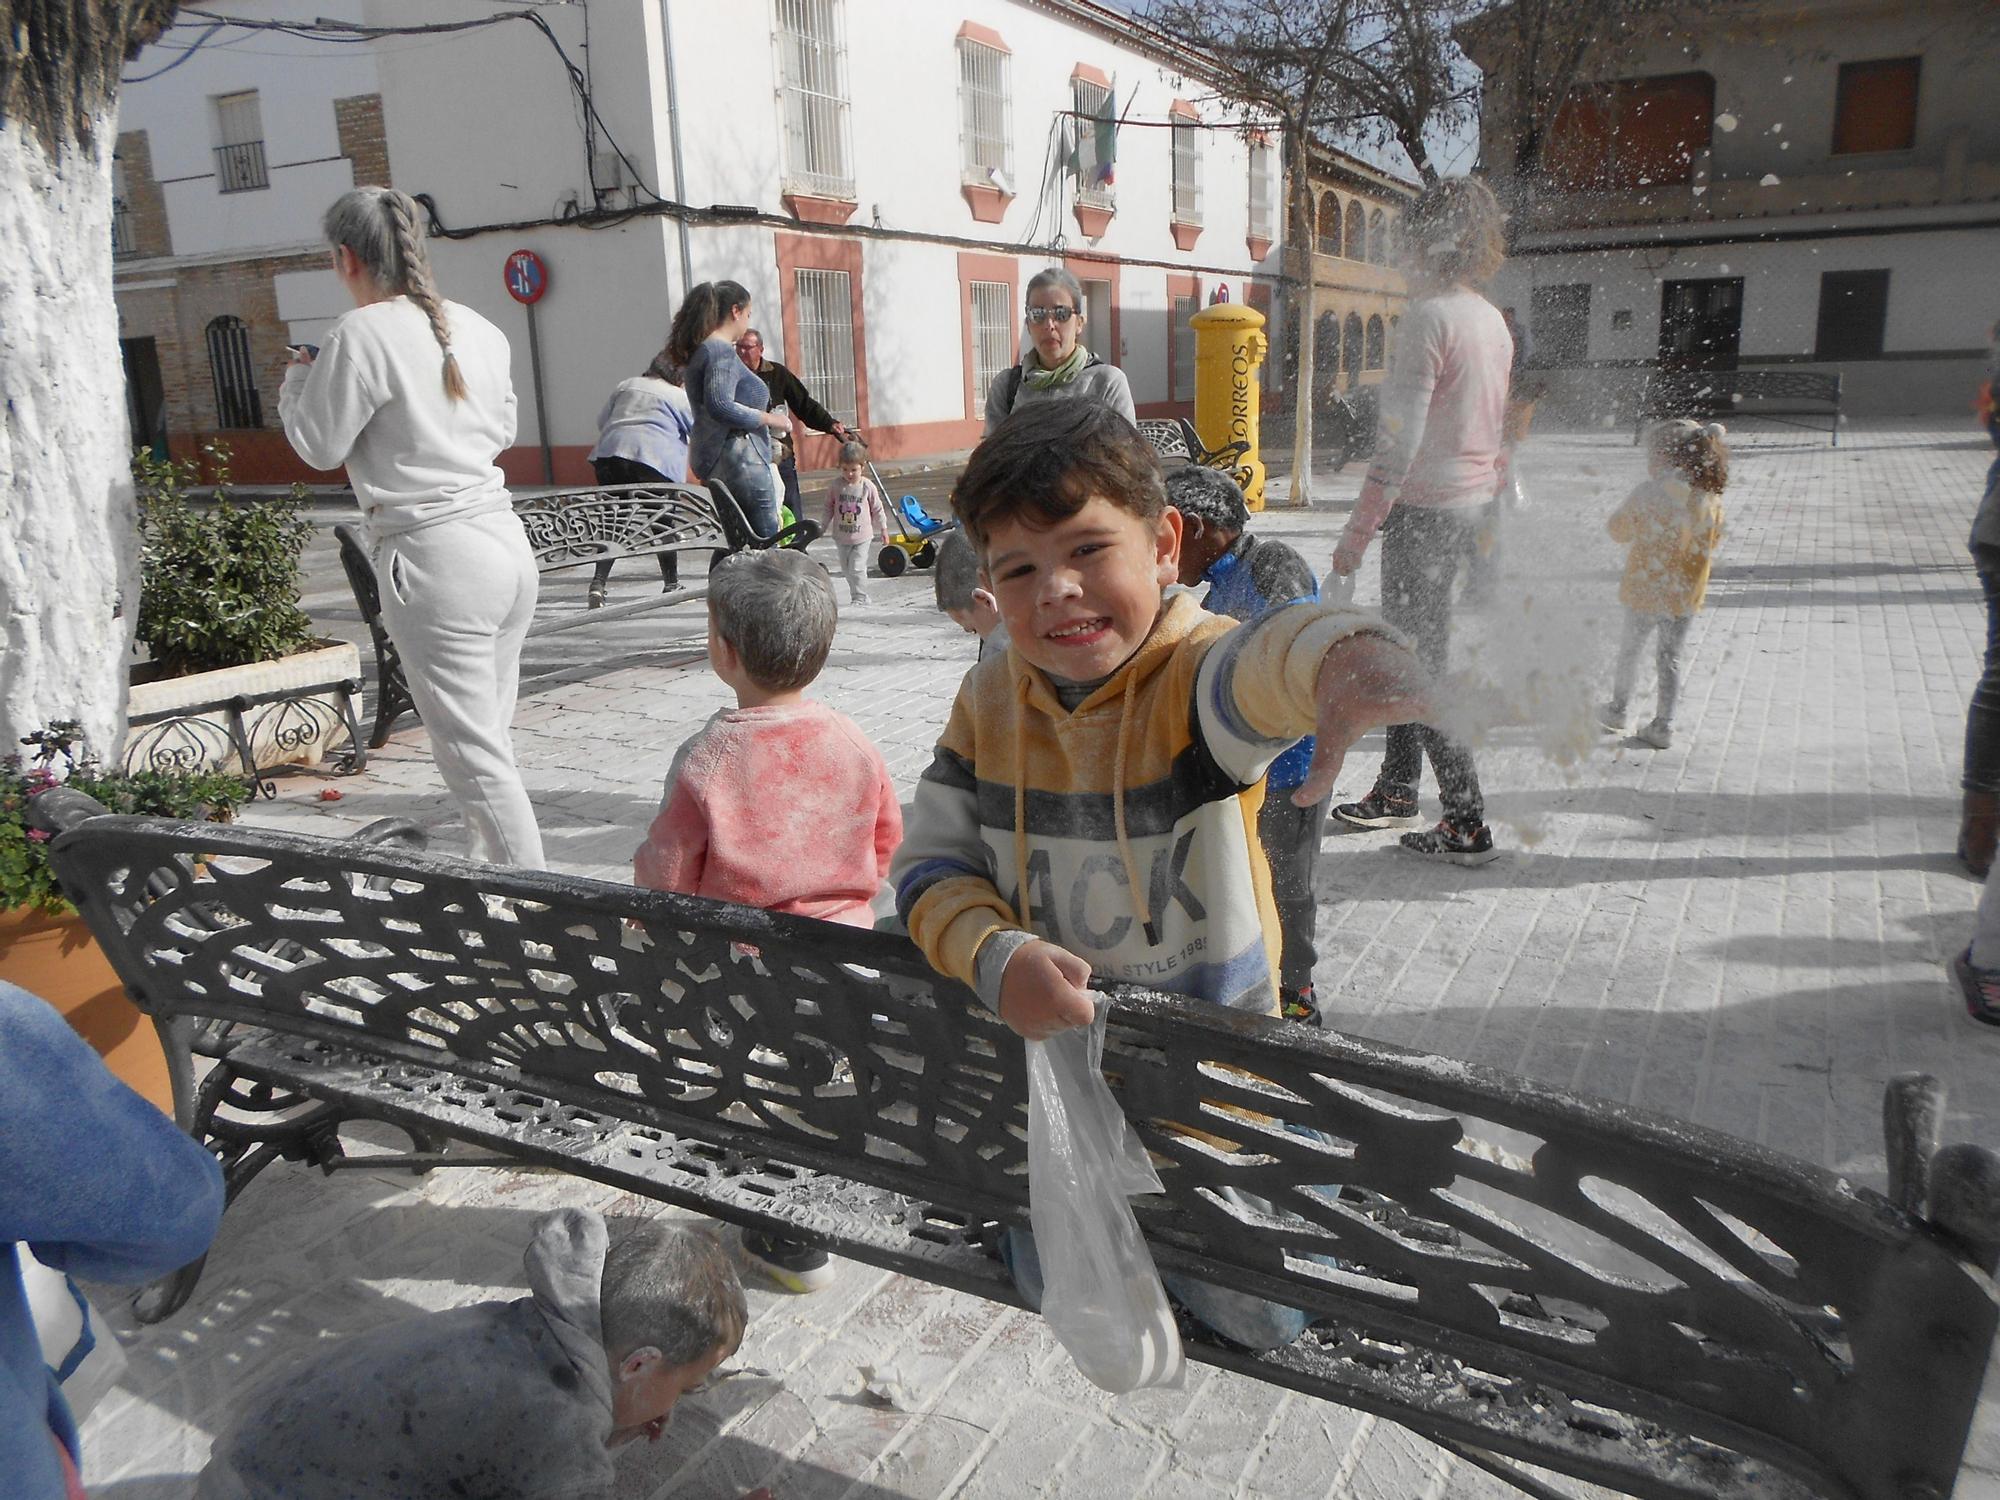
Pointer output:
1247, 577
94, 1182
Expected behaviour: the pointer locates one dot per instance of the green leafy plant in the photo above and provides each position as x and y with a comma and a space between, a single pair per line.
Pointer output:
218, 583
59, 758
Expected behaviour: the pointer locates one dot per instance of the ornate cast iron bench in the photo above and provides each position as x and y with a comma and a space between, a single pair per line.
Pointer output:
1738, 395
569, 529
1517, 1271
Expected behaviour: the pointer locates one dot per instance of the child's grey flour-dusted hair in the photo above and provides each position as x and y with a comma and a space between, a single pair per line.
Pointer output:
777, 610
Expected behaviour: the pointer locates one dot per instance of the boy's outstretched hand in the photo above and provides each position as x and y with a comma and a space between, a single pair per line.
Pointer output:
1364, 681
1044, 990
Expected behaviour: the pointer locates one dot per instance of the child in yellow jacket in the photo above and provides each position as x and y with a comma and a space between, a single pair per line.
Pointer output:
1670, 525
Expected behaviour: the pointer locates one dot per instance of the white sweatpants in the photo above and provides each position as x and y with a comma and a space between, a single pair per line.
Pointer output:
457, 599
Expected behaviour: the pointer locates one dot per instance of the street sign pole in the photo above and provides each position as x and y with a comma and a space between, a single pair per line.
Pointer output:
541, 406
527, 281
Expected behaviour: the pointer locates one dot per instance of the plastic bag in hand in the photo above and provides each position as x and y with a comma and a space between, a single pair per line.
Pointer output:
1101, 1294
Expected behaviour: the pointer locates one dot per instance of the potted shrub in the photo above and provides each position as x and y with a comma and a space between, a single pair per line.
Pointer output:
220, 619
44, 946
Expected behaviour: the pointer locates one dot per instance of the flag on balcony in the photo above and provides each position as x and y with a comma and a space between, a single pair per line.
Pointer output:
1105, 133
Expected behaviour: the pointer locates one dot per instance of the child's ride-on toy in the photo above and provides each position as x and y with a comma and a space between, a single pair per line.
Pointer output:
915, 545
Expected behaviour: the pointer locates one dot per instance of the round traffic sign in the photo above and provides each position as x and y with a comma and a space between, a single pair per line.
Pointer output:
526, 276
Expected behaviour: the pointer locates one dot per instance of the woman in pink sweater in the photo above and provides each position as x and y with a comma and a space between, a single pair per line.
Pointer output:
1430, 491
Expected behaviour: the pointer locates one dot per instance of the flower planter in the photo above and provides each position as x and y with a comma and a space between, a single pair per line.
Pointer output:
56, 958
193, 724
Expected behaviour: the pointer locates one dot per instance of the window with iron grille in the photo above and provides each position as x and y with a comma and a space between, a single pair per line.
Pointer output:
993, 336
1187, 172
1260, 190
1184, 309
1092, 103
826, 341
236, 400
986, 144
812, 58
123, 241
239, 143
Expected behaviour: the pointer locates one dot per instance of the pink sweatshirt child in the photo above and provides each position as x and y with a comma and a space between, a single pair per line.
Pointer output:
1441, 412
787, 807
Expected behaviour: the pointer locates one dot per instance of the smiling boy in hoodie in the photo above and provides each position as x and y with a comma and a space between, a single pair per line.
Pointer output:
521, 1400
1091, 807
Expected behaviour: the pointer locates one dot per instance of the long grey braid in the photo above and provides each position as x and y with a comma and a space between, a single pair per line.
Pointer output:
379, 225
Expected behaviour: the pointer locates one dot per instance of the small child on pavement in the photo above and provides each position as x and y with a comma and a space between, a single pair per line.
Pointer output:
1670, 526
855, 516
780, 802
1088, 807
1248, 577
522, 1398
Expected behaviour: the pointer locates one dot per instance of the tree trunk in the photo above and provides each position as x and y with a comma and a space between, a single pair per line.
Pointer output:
1299, 251
68, 544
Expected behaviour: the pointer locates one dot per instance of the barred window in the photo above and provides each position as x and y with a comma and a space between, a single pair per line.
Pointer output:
994, 337
1092, 103
236, 400
123, 240
1260, 190
1184, 309
826, 340
986, 144
1187, 172
812, 58
239, 143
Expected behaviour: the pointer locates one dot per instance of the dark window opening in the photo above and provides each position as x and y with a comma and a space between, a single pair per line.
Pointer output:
1876, 106
1632, 133
1559, 326
1853, 311
1377, 343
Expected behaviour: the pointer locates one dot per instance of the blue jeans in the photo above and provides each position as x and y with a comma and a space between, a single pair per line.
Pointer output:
748, 478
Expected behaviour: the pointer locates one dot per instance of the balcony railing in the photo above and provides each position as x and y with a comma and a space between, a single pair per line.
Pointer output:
240, 168
124, 240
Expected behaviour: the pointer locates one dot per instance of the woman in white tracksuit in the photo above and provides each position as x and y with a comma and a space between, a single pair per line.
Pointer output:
415, 396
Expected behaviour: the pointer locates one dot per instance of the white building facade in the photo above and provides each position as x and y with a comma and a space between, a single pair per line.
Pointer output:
883, 176
1814, 187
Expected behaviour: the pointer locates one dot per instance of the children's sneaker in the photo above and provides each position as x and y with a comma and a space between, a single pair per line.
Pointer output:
1980, 987
595, 599
1659, 734
1453, 844
792, 1264
1612, 717
1378, 810
1299, 1005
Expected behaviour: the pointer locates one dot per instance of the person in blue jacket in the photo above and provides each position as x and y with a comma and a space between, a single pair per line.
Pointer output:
95, 1183
1247, 577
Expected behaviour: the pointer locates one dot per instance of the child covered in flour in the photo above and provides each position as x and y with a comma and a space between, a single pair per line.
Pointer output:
1670, 526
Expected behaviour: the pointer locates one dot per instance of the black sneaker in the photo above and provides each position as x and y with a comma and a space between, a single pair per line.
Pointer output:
1453, 844
792, 1264
1299, 1005
1980, 987
1378, 810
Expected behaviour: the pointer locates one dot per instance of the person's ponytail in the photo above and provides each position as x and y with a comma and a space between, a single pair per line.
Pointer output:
702, 311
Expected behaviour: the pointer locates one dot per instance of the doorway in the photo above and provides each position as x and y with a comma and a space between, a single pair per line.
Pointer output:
145, 395
1097, 321
1701, 323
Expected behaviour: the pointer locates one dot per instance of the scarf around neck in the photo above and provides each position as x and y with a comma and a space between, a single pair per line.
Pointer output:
1040, 379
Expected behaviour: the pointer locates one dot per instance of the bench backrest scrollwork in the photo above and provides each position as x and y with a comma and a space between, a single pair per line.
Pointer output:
1685, 1278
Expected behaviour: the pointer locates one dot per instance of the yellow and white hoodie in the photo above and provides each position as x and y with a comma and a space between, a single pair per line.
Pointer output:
1130, 821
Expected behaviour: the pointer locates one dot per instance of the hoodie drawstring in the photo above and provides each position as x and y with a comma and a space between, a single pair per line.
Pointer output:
1141, 906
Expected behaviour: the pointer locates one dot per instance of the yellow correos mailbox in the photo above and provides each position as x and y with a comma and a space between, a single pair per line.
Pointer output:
1229, 347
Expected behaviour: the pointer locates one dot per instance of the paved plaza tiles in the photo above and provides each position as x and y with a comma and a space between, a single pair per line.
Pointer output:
1749, 930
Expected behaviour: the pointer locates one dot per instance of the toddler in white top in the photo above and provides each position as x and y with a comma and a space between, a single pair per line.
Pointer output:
855, 516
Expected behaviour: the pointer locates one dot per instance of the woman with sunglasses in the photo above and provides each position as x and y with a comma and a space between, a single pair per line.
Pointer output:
1057, 366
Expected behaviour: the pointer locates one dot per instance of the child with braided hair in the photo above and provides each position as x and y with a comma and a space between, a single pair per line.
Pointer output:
415, 396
